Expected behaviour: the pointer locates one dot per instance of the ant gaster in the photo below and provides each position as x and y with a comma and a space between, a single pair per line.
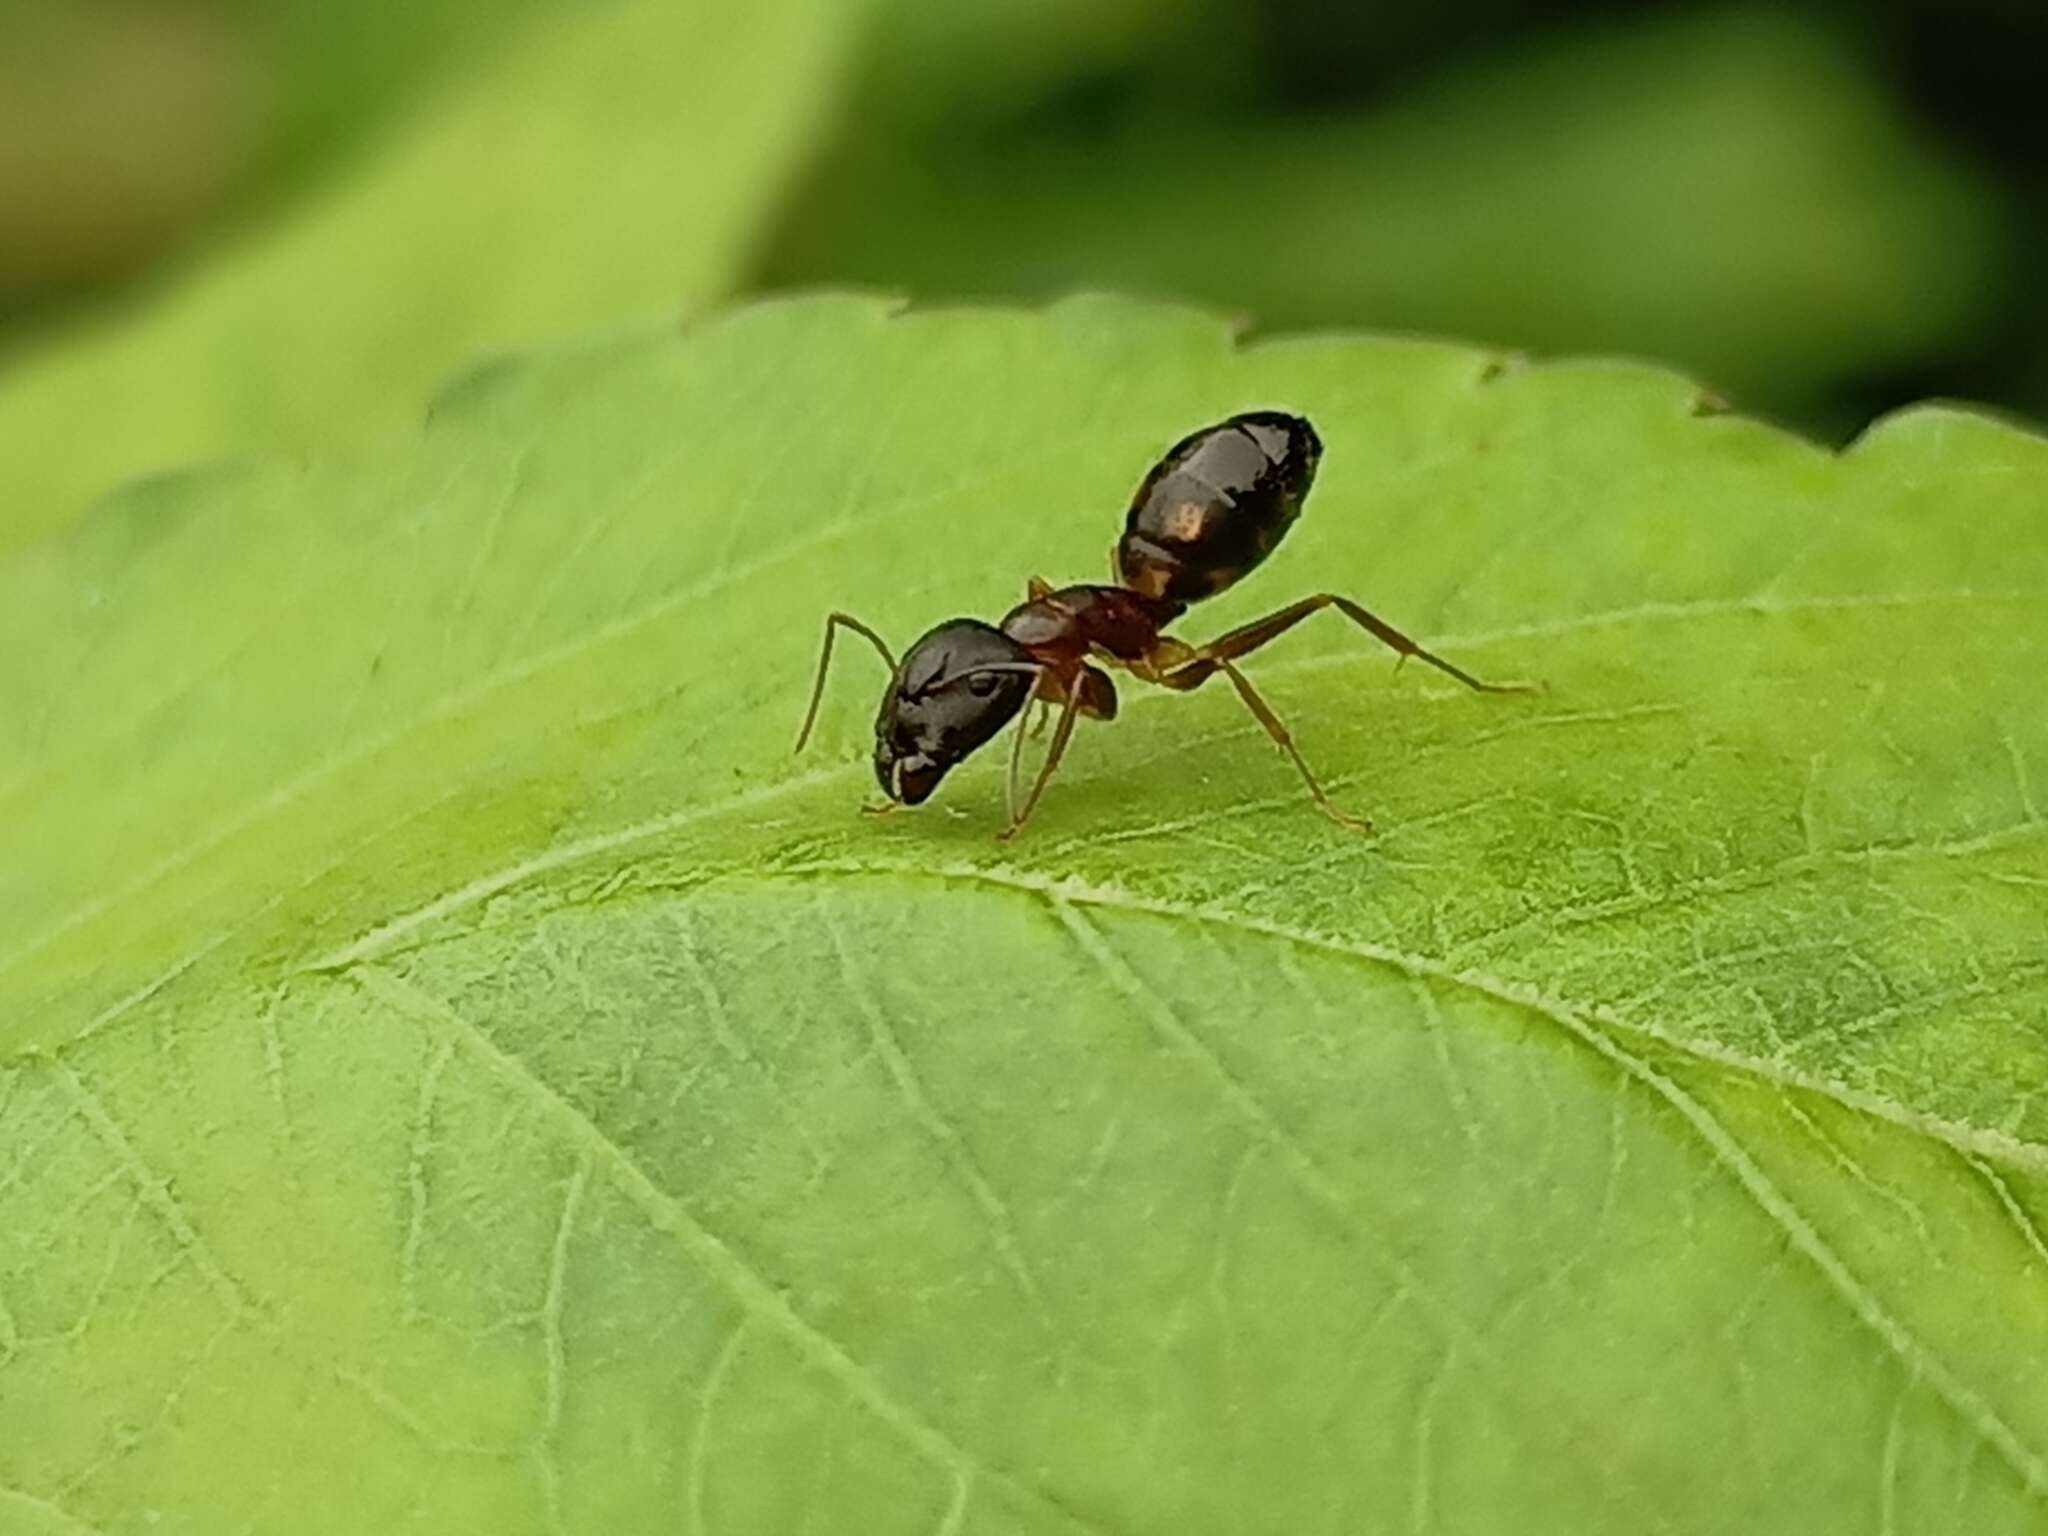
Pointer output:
1210, 511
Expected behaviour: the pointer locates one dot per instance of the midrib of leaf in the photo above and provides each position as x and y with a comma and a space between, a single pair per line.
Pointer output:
1587, 1027
1066, 900
420, 924
734, 1273
398, 928
1583, 1031
48, 1516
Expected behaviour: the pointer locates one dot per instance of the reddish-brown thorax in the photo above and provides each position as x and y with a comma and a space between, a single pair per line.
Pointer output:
1063, 628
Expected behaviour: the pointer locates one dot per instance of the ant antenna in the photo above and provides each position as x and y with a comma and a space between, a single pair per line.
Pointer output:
833, 621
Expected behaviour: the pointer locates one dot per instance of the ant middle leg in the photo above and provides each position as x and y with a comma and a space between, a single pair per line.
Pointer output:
1030, 721
1061, 734
1088, 692
1216, 655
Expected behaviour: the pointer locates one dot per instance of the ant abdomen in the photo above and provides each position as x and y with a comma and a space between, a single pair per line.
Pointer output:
1217, 504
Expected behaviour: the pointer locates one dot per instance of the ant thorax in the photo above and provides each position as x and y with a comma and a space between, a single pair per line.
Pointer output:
1067, 626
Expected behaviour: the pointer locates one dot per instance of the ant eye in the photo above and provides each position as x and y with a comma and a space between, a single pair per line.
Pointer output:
982, 684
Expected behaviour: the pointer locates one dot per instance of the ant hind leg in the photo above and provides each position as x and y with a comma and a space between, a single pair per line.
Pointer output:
1214, 656
1284, 740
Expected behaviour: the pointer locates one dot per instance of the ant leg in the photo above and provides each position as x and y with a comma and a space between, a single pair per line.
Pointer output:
1061, 732
1024, 728
1284, 740
1242, 641
1037, 705
833, 621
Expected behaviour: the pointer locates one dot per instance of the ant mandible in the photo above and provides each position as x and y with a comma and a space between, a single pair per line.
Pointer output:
1210, 511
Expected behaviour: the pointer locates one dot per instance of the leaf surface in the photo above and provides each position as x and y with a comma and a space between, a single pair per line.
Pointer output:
457, 1072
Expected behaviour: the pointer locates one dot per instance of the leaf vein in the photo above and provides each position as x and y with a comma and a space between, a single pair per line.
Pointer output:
555, 1358
1303, 1167
667, 1213
700, 1431
452, 704
53, 1516
952, 1145
1918, 1361
2016, 1213
154, 1191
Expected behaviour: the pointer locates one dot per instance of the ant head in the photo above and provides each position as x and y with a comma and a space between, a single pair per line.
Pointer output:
954, 689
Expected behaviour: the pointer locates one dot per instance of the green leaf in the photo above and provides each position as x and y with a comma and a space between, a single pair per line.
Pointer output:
459, 1073
1730, 190
621, 160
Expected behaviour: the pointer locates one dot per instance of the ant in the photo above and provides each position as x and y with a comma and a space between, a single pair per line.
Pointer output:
1209, 512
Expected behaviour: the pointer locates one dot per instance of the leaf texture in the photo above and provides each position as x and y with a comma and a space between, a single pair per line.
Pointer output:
457, 1072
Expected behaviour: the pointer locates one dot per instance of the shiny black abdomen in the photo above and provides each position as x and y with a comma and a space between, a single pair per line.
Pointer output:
1217, 504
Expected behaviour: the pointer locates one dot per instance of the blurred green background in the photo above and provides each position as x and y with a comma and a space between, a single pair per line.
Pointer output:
239, 225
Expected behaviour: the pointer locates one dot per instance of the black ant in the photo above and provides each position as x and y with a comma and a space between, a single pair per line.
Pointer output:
1216, 505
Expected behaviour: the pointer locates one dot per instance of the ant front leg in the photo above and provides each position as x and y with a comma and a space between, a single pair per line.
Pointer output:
1248, 638
1061, 734
1088, 691
834, 622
